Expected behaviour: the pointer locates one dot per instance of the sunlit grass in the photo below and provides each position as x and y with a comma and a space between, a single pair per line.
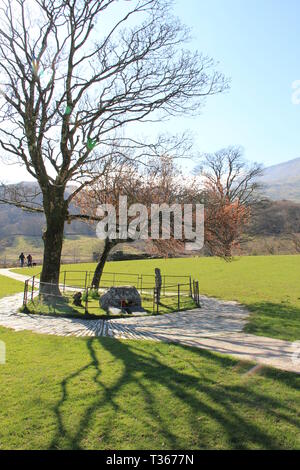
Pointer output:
9, 286
103, 393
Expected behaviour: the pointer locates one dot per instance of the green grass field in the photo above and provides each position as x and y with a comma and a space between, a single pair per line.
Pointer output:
269, 286
9, 286
68, 393
80, 247
74, 247
102, 393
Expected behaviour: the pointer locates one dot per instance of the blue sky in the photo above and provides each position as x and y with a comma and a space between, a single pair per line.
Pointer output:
257, 45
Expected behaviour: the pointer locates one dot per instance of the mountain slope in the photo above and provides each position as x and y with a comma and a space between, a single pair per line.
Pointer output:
16, 222
282, 181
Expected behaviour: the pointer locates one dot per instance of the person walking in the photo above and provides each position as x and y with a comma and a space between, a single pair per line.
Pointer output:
22, 259
29, 261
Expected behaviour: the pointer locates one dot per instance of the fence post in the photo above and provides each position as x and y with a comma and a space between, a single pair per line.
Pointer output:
86, 304
178, 296
155, 301
153, 309
32, 288
25, 293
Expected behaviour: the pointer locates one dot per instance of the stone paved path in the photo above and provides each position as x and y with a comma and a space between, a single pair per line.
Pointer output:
217, 326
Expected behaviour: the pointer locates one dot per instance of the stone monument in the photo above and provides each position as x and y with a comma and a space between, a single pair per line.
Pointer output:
120, 297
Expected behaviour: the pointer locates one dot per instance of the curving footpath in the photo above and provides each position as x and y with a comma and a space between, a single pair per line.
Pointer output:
217, 326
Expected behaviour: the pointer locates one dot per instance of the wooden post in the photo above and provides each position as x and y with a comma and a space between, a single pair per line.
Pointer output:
197, 284
86, 302
32, 288
25, 293
153, 310
158, 283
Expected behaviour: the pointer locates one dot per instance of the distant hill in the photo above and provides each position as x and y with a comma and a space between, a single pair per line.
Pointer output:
274, 218
282, 181
16, 222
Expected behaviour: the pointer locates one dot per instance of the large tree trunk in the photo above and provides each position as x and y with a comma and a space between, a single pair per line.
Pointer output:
108, 245
56, 212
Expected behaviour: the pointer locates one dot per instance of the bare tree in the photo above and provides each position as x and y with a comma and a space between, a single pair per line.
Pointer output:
230, 189
75, 74
160, 182
296, 242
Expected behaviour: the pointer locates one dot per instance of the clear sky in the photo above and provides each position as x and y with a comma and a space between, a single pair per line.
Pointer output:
257, 44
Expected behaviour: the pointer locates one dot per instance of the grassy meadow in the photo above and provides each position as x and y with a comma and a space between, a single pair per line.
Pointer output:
74, 248
9, 286
102, 393
81, 247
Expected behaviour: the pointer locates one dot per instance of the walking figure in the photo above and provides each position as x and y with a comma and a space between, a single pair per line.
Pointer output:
22, 259
29, 261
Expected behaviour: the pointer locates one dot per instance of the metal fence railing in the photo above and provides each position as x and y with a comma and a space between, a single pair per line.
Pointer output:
143, 282
175, 293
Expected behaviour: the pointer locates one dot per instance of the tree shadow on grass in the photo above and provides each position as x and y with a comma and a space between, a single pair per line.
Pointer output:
215, 408
275, 320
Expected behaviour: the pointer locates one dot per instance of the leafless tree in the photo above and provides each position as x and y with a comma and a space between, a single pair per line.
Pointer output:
293, 238
75, 74
230, 189
296, 242
159, 182
231, 175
